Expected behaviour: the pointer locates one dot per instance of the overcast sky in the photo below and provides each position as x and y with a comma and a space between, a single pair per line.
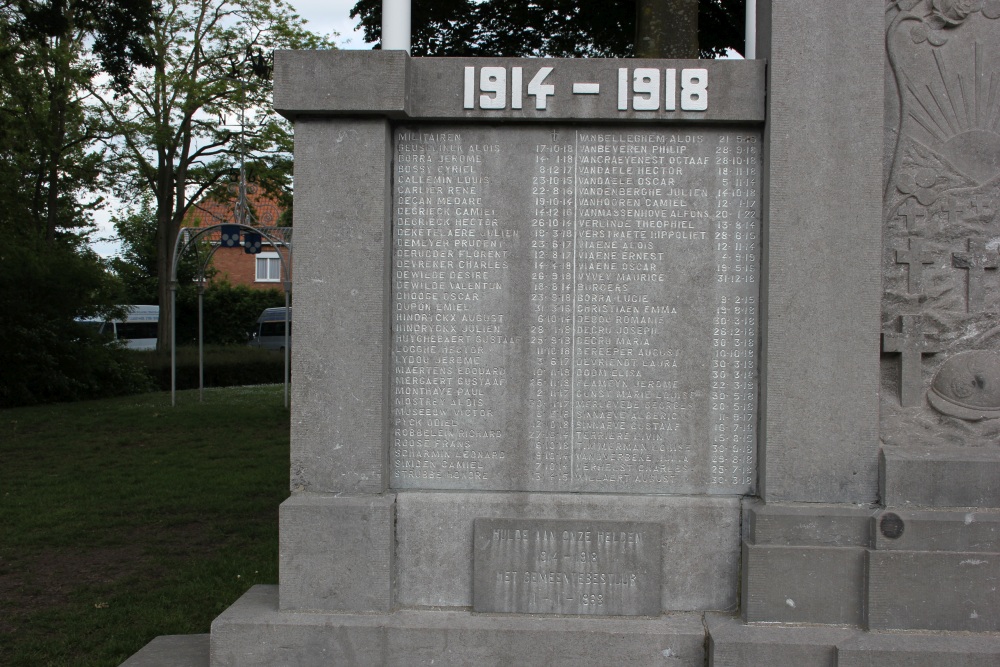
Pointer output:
325, 16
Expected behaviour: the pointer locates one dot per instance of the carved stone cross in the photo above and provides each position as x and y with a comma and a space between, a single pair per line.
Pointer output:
979, 208
911, 345
916, 259
951, 210
977, 260
911, 213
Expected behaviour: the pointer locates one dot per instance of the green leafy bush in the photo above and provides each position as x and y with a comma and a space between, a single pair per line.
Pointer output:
224, 366
230, 312
45, 356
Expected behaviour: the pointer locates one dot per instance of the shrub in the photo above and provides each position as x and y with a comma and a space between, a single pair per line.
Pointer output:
230, 312
45, 356
224, 366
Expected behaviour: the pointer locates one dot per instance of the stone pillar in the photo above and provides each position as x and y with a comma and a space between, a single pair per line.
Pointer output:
336, 531
822, 210
343, 298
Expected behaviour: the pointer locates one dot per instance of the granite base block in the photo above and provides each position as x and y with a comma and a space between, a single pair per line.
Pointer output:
255, 633
733, 644
919, 650
784, 584
933, 590
937, 530
809, 524
940, 476
700, 541
172, 651
336, 553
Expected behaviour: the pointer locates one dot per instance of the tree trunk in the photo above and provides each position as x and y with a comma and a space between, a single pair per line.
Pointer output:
164, 260
666, 29
166, 234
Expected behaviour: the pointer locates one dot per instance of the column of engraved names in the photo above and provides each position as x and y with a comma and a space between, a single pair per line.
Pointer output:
450, 256
550, 400
734, 327
635, 222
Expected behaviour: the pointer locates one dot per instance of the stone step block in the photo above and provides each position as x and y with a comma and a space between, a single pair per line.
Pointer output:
734, 644
809, 524
933, 590
172, 651
254, 632
937, 530
336, 553
893, 649
784, 584
940, 476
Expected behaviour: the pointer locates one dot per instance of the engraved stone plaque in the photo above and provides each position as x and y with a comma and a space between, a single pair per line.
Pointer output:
575, 309
567, 567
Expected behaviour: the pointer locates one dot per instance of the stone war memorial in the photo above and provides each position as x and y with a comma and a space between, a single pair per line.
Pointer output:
644, 362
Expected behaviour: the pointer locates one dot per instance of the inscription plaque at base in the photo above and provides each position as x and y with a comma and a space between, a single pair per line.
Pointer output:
567, 567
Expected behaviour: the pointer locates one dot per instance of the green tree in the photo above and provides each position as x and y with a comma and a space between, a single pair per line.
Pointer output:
49, 51
45, 355
210, 61
552, 28
135, 264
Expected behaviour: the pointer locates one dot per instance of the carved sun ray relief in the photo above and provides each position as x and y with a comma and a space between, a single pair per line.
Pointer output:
942, 233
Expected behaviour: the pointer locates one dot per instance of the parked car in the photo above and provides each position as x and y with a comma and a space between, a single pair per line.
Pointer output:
137, 331
270, 331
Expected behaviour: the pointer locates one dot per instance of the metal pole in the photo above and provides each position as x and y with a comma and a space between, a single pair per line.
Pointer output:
750, 48
396, 25
201, 343
173, 344
288, 326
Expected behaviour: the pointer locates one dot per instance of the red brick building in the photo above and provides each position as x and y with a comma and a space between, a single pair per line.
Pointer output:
261, 270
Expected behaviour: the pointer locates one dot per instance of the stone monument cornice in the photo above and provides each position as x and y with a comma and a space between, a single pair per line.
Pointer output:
391, 84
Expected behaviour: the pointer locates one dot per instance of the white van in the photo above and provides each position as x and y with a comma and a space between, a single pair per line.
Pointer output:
137, 331
270, 331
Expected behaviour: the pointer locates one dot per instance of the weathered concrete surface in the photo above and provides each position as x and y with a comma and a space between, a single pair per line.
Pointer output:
254, 633
389, 84
700, 541
939, 530
933, 590
822, 212
803, 584
172, 651
336, 553
916, 650
340, 353
809, 524
940, 476
733, 644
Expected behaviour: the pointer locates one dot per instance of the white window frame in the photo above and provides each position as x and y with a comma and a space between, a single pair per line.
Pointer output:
268, 256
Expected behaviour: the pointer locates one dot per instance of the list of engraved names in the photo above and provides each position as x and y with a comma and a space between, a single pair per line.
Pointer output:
575, 309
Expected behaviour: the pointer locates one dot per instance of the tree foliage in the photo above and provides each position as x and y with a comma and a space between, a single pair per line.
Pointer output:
114, 28
45, 355
135, 263
49, 51
230, 313
210, 62
549, 28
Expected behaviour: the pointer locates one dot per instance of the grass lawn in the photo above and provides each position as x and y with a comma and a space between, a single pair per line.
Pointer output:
124, 519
